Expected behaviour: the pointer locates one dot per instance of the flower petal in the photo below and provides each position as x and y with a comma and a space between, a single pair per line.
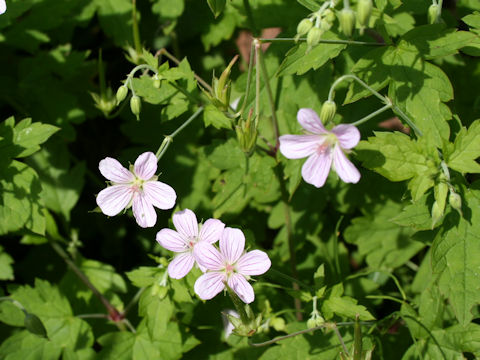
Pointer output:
242, 288
232, 244
145, 166
186, 223
171, 240
316, 168
310, 121
143, 211
112, 170
209, 285
299, 146
344, 168
208, 257
254, 262
348, 135
114, 199
159, 194
181, 265
211, 231
3, 6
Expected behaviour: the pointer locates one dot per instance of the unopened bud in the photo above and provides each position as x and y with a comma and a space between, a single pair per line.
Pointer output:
433, 14
319, 320
364, 10
247, 134
313, 36
34, 325
329, 108
135, 105
304, 26
347, 21
311, 323
121, 93
329, 16
156, 82
455, 201
437, 213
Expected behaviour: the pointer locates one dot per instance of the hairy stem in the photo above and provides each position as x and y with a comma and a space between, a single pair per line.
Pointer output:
136, 32
372, 115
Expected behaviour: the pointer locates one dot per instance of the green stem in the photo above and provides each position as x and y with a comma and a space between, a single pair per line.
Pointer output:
289, 278
400, 113
324, 41
353, 77
133, 301
340, 338
120, 109
112, 311
249, 78
372, 115
136, 33
256, 44
251, 21
169, 138
266, 80
239, 305
93, 316
335, 248
101, 75
385, 297
346, 4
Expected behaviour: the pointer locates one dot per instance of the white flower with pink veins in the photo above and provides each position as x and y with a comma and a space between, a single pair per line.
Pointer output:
137, 187
3, 6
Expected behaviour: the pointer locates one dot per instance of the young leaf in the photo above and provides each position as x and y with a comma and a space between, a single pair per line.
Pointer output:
216, 6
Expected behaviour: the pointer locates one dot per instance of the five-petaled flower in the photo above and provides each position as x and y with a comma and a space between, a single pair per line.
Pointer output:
137, 188
229, 265
184, 240
322, 147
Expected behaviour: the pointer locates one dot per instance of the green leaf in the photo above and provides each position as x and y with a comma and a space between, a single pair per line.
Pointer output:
219, 30
456, 258
311, 5
115, 19
216, 6
225, 155
385, 244
102, 276
346, 307
168, 9
466, 150
416, 216
298, 62
145, 275
216, 118
157, 313
6, 261
20, 199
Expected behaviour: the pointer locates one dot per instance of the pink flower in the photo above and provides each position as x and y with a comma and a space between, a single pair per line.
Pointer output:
321, 147
184, 240
138, 188
229, 265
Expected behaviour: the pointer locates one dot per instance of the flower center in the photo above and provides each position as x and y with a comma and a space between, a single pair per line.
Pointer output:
229, 268
191, 241
329, 140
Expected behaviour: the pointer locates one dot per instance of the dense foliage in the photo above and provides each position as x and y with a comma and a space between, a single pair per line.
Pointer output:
379, 263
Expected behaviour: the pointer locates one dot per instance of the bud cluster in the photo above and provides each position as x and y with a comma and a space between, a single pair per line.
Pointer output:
348, 18
315, 25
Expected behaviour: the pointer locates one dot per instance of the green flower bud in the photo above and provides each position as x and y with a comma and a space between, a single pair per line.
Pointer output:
311, 323
347, 21
156, 82
246, 131
121, 93
135, 105
455, 201
329, 108
364, 10
437, 213
34, 325
313, 36
433, 14
304, 26
319, 320
329, 16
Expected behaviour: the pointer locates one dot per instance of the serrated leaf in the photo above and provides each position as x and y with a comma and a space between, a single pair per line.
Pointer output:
220, 30
298, 62
144, 275
456, 259
157, 313
6, 261
416, 216
346, 307
216, 118
466, 150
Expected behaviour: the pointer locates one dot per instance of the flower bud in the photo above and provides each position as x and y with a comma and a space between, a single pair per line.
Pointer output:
34, 325
364, 10
311, 323
156, 83
329, 16
347, 21
433, 14
304, 26
135, 105
455, 201
313, 36
329, 108
121, 93
247, 134
319, 320
437, 213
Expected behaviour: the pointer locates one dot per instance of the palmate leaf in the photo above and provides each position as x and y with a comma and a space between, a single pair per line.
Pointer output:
466, 150
216, 6
456, 258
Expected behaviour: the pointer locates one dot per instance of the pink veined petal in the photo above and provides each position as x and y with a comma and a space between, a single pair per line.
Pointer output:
114, 199
172, 240
181, 265
232, 244
145, 166
254, 262
344, 168
310, 121
186, 223
316, 168
209, 285
208, 256
242, 288
348, 135
211, 231
159, 194
299, 146
112, 170
143, 211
